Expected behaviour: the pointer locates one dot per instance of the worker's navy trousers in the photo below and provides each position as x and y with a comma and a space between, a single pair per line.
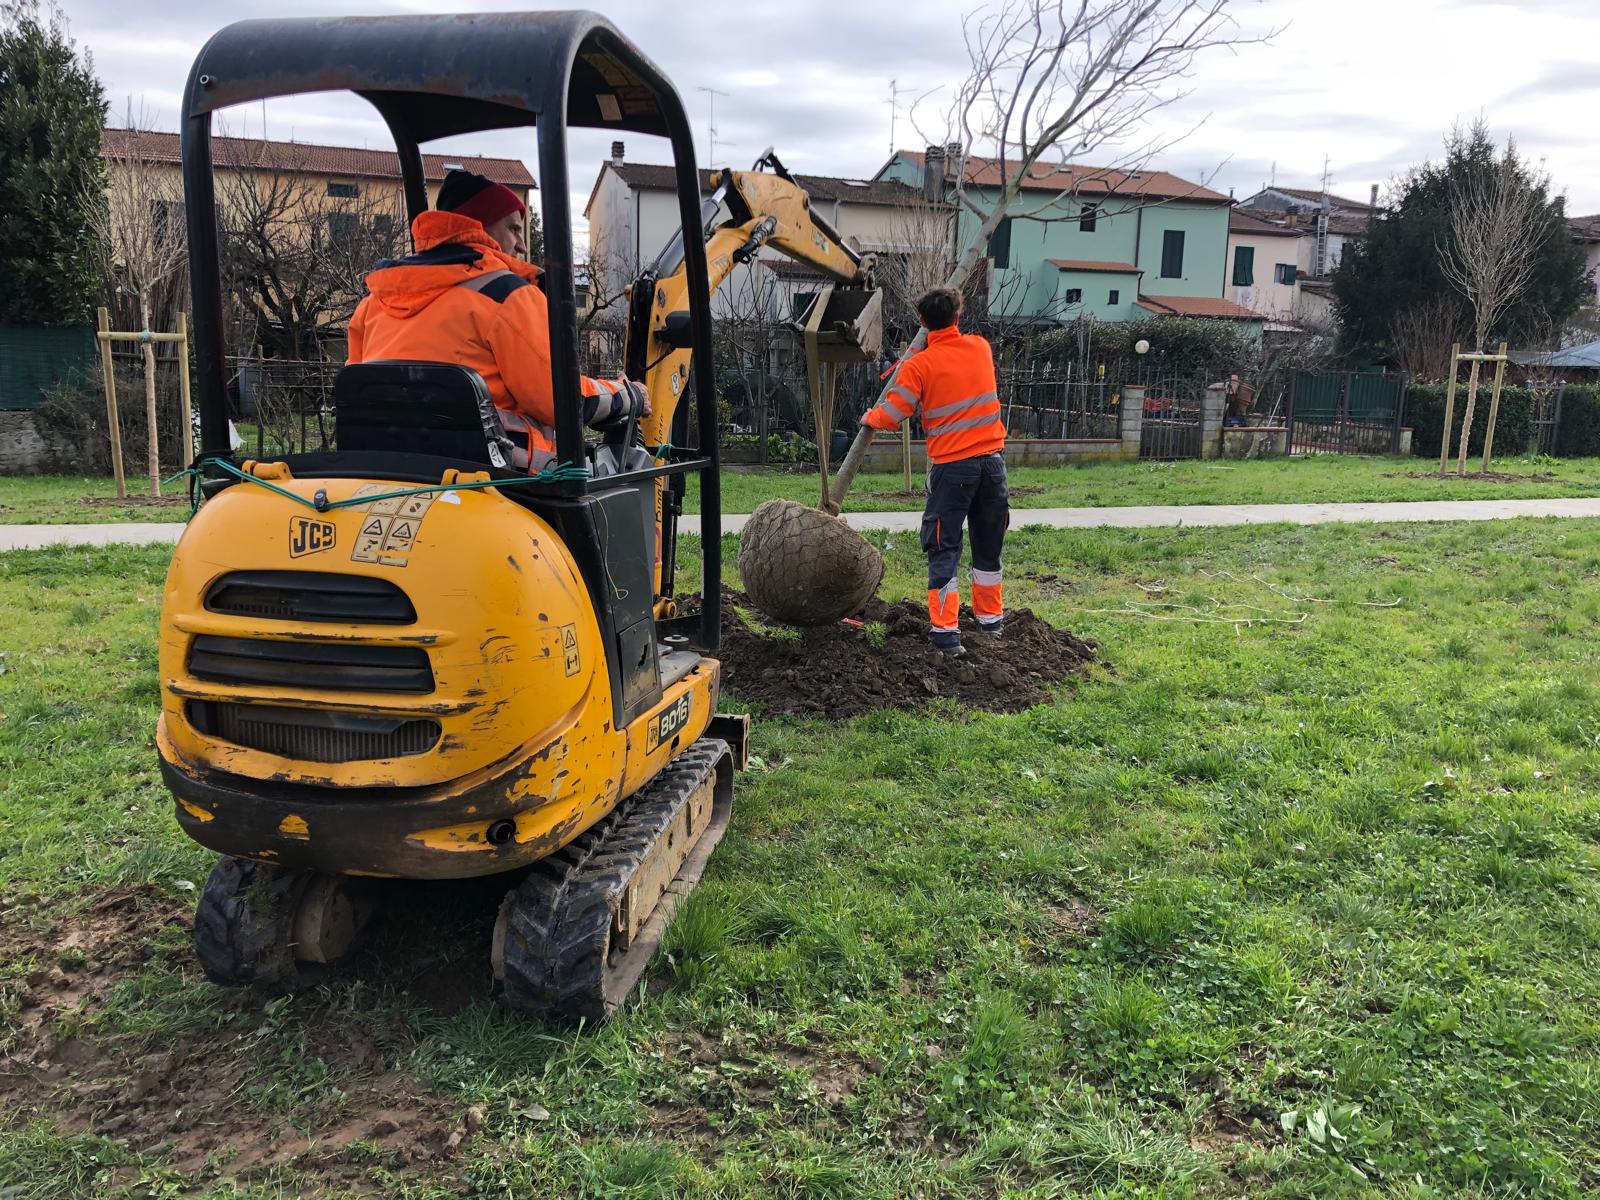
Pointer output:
971, 491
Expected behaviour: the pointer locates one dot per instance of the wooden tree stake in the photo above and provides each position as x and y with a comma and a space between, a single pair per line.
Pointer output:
113, 425
187, 455
1494, 405
1449, 407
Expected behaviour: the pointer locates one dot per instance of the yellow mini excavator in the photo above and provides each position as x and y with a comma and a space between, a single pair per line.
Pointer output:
404, 658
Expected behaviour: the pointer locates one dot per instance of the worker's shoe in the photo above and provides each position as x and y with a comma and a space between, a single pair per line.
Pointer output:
992, 629
947, 643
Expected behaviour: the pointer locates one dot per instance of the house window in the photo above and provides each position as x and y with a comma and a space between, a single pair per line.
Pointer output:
1172, 254
343, 191
383, 225
1074, 295
1086, 216
1244, 266
343, 228
1114, 297
1284, 273
1000, 245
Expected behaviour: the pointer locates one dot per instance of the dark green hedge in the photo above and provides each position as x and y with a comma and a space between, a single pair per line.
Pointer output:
1425, 414
1579, 435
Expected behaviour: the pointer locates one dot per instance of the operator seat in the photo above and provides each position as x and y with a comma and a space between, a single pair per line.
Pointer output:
442, 409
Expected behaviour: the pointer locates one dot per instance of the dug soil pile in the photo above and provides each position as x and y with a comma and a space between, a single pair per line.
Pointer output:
847, 669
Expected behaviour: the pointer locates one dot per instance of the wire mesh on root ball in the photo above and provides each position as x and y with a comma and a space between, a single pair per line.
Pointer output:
801, 566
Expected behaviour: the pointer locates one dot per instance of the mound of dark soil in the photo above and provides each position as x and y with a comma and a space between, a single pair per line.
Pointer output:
881, 659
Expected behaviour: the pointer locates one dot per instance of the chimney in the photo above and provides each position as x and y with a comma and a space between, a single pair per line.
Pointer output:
1374, 195
955, 159
933, 174
616, 154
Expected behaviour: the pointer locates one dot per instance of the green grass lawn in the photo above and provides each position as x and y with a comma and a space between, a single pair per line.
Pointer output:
1315, 479
1302, 908
85, 500
58, 499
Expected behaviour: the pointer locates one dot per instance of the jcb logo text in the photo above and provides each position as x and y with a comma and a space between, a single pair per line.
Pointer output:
309, 537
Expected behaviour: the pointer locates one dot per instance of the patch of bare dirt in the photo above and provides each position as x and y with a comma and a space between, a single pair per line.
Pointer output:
1489, 476
186, 1099
135, 501
882, 660
1075, 919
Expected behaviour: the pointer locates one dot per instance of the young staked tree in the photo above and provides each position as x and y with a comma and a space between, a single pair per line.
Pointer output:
1490, 256
1051, 82
52, 109
1388, 278
139, 226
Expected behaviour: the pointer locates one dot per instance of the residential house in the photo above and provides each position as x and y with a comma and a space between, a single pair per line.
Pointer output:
1087, 240
341, 173
1585, 232
1334, 221
633, 213
1267, 260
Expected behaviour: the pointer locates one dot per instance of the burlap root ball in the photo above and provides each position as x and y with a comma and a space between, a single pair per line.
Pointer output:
803, 567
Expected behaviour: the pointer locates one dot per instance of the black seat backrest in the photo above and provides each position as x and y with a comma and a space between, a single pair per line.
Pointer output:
433, 408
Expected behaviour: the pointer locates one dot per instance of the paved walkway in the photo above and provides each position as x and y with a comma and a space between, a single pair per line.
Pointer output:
27, 537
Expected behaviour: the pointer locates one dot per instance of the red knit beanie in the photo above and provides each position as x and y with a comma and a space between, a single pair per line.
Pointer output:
473, 196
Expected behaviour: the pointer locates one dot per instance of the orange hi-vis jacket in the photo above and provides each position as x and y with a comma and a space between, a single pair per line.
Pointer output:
951, 384
461, 299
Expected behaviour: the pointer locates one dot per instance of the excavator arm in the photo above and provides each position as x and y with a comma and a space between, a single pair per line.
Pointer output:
747, 211
764, 209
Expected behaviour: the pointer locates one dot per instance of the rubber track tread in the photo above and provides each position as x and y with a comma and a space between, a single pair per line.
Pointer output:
558, 933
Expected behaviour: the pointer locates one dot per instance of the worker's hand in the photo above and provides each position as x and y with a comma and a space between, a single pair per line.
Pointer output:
640, 396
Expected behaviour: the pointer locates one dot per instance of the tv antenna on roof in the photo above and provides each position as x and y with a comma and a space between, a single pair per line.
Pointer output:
895, 93
711, 124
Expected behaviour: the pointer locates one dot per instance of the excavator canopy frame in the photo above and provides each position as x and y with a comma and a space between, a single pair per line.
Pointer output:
433, 77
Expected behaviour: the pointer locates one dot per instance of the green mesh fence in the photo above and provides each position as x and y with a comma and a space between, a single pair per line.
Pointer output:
33, 358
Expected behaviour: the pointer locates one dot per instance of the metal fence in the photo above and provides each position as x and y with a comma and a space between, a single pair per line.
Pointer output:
34, 358
1547, 419
282, 406
1345, 412
1170, 427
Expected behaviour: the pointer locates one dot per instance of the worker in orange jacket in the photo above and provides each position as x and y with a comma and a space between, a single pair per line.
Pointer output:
950, 386
467, 296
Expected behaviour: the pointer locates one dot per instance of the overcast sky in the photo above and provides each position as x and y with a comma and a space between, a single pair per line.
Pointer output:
1369, 85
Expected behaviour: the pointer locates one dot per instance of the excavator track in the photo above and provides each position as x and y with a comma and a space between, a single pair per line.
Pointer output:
575, 936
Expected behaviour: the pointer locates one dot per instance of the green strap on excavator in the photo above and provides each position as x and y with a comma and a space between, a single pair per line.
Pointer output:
560, 472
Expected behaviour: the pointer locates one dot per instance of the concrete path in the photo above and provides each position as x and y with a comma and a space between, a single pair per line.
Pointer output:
27, 537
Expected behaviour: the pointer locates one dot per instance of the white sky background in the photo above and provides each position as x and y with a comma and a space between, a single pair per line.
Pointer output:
1372, 84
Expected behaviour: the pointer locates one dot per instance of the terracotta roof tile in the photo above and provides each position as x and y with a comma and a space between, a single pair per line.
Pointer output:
1090, 264
1198, 306
1240, 221
1085, 180
661, 177
321, 160
1314, 196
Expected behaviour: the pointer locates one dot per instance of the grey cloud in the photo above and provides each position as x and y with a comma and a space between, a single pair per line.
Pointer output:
1559, 79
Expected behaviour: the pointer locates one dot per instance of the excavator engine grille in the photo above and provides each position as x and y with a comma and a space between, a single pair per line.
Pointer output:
327, 665
312, 735
310, 596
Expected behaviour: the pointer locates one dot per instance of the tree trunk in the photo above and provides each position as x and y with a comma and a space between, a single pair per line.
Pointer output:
150, 398
1466, 414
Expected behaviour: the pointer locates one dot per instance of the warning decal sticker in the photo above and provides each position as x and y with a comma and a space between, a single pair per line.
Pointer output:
390, 527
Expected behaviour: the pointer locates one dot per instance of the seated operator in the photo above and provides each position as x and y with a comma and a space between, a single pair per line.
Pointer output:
466, 297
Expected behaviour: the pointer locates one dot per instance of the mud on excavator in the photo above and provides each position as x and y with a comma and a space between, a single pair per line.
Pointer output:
402, 658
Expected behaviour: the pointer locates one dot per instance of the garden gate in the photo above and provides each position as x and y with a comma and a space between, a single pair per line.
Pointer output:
1345, 412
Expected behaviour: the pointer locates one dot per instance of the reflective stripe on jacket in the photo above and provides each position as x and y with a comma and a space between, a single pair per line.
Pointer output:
461, 299
951, 384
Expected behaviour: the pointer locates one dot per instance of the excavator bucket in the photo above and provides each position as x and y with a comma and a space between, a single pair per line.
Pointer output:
851, 325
